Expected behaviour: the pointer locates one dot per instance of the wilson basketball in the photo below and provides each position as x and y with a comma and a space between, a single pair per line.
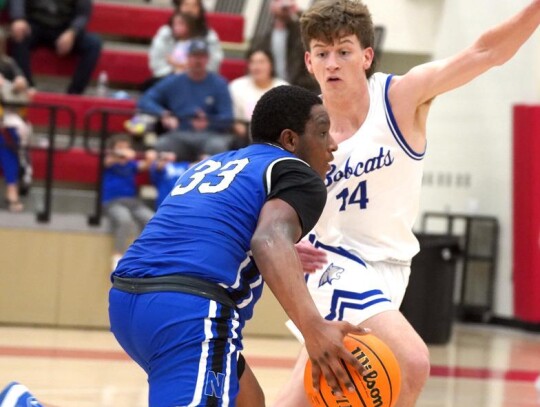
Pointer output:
378, 388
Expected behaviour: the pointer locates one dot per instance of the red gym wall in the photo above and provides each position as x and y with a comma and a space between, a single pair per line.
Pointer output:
526, 203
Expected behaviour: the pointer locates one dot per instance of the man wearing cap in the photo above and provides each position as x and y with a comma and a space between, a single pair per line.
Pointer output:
195, 107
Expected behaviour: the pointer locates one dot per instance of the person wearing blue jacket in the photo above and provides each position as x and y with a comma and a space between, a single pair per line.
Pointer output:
195, 107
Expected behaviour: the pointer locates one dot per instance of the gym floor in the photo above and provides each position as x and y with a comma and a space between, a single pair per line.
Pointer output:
482, 366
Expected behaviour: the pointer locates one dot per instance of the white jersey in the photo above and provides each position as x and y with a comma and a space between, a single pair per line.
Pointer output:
373, 187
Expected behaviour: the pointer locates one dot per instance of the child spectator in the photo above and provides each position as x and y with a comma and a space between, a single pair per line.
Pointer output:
9, 163
13, 89
168, 51
247, 90
121, 204
14, 131
164, 171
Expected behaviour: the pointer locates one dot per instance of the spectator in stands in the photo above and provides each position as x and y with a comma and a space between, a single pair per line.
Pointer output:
169, 48
196, 9
194, 107
13, 89
164, 171
284, 41
247, 90
14, 130
126, 211
58, 24
9, 164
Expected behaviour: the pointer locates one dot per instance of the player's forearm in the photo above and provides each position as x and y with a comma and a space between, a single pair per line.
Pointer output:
504, 40
281, 270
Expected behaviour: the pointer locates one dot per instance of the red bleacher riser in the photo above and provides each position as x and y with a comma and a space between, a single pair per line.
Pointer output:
80, 105
122, 66
142, 22
75, 165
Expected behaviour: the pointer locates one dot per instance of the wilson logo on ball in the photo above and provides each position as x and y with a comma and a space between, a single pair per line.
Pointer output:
378, 387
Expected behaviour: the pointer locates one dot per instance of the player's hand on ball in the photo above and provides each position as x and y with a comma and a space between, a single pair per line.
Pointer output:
311, 258
324, 344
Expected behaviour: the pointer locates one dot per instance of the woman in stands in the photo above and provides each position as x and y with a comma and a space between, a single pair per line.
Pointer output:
196, 9
248, 89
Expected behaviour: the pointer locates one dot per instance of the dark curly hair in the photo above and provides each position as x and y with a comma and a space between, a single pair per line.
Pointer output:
283, 107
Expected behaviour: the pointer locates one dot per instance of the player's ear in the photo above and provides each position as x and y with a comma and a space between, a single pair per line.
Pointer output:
369, 54
307, 60
289, 140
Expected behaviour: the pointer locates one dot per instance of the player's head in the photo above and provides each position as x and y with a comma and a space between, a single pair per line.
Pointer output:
329, 21
296, 119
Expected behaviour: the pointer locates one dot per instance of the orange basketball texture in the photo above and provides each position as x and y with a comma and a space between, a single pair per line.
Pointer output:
378, 388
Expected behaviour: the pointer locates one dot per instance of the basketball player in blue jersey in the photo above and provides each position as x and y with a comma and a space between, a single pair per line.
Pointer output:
185, 288
363, 244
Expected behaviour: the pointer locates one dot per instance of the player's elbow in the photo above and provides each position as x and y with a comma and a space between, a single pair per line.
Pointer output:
268, 241
493, 53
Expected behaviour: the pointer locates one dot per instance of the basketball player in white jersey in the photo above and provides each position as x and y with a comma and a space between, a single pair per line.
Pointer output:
363, 243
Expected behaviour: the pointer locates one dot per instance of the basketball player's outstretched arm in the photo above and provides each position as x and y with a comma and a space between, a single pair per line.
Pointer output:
494, 47
273, 249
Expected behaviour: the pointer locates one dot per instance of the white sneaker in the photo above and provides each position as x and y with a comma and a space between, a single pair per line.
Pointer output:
17, 395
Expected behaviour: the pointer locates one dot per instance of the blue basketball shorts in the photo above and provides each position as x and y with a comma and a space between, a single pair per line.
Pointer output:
188, 346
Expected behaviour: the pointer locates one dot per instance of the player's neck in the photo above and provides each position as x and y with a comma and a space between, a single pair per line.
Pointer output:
347, 113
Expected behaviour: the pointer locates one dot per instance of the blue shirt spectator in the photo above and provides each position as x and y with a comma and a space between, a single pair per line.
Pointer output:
195, 108
164, 171
185, 98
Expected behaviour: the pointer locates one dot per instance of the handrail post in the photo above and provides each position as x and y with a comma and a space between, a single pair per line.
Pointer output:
45, 215
95, 219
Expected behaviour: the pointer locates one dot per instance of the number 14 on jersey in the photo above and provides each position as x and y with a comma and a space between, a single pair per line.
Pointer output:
357, 197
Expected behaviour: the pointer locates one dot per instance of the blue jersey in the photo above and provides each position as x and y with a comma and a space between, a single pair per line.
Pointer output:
204, 226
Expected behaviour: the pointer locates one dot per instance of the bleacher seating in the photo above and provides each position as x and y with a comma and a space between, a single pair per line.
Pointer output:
75, 165
128, 21
124, 66
80, 105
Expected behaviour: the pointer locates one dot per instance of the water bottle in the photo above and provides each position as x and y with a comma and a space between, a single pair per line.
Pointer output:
102, 84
